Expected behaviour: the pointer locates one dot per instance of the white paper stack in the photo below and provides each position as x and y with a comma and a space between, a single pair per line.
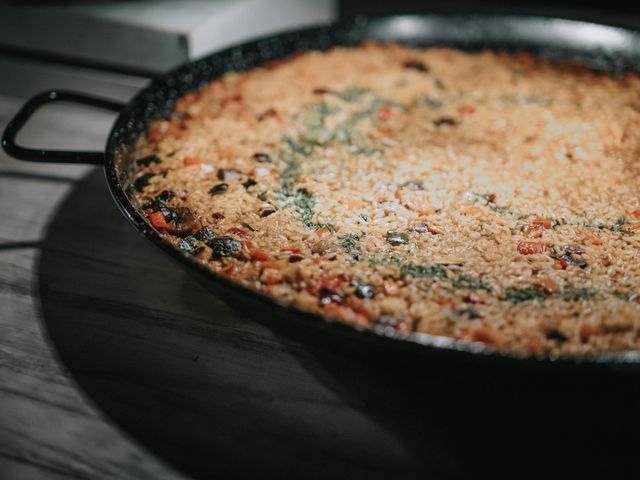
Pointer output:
150, 36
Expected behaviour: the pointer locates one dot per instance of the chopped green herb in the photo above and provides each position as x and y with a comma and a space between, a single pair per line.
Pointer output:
315, 132
487, 199
313, 119
568, 293
291, 172
571, 293
324, 110
298, 148
618, 227
627, 296
467, 282
346, 132
423, 271
302, 201
518, 295
433, 102
500, 210
319, 226
364, 150
351, 94
350, 244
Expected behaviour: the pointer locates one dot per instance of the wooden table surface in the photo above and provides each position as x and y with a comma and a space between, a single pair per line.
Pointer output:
116, 364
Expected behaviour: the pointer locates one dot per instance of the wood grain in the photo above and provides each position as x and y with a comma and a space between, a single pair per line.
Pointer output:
115, 364
49, 428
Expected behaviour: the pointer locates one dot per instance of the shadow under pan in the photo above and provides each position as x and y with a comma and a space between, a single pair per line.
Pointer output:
217, 394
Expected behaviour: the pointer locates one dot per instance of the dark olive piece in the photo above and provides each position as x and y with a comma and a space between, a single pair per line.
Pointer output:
148, 160
247, 226
142, 181
414, 185
556, 335
294, 258
262, 157
266, 210
224, 247
363, 289
249, 183
183, 222
218, 189
204, 235
574, 249
416, 65
188, 244
329, 296
445, 121
165, 195
267, 113
576, 262
467, 312
567, 254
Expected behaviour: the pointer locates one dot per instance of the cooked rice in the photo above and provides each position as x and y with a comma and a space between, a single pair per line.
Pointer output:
482, 196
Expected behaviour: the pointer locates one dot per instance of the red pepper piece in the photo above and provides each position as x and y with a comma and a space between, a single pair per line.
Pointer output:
158, 221
260, 255
530, 248
239, 232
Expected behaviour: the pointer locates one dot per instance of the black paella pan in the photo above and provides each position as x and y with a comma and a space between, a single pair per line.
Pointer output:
604, 47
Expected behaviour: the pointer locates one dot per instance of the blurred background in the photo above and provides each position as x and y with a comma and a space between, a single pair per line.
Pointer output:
146, 37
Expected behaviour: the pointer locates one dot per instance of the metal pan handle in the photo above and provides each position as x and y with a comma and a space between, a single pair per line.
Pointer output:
55, 156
